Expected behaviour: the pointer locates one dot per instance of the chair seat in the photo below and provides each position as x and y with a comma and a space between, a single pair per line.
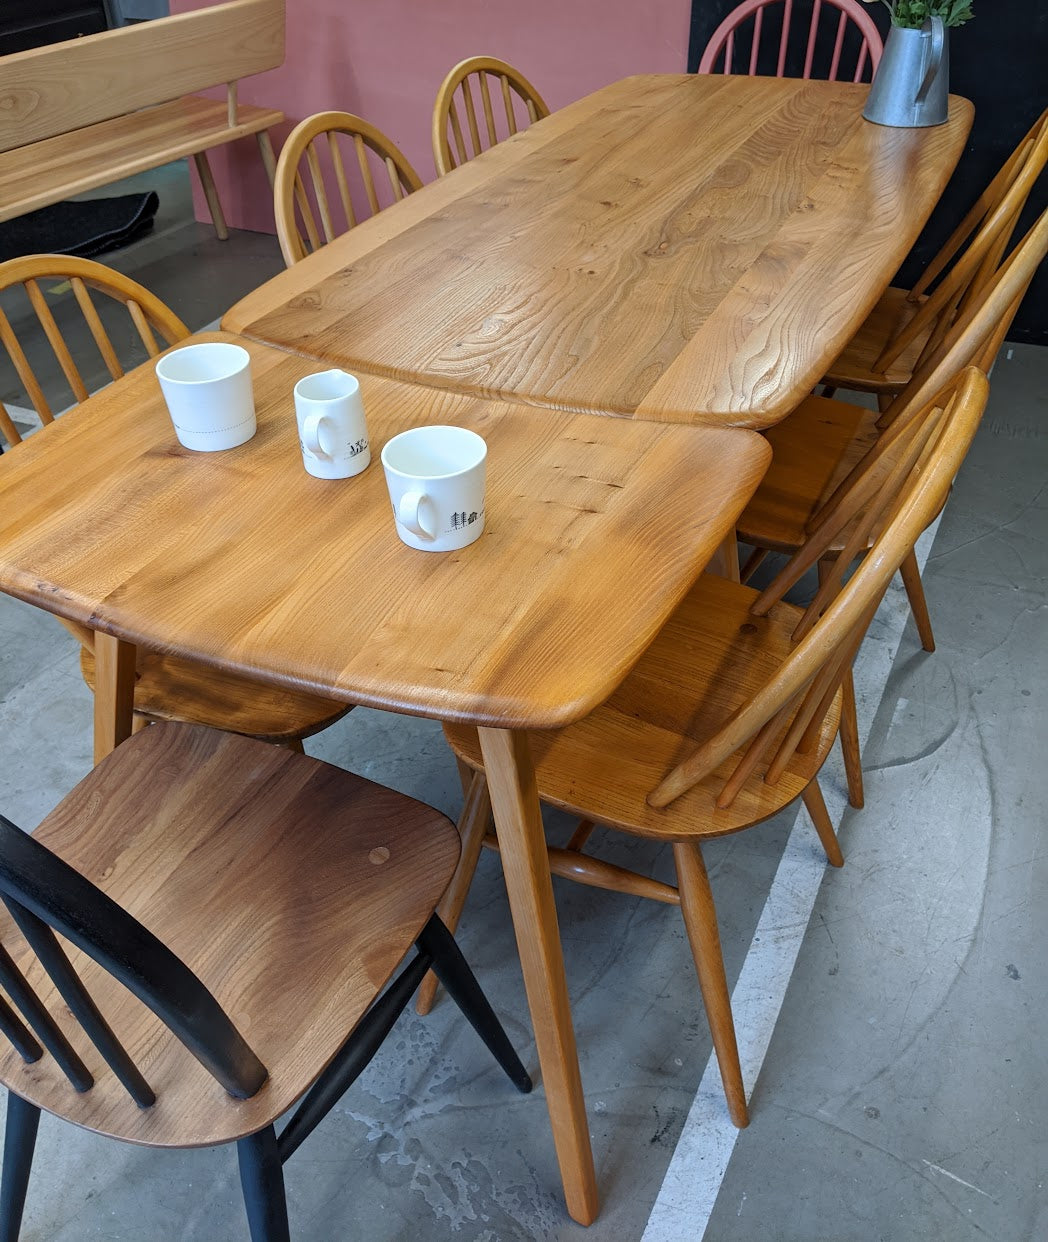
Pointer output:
813, 450
711, 657
854, 367
172, 689
331, 877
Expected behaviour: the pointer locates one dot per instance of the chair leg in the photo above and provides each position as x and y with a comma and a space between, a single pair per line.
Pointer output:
214, 204
700, 921
911, 580
849, 735
23, 1120
454, 972
820, 817
476, 816
269, 160
262, 1180
753, 562
352, 1058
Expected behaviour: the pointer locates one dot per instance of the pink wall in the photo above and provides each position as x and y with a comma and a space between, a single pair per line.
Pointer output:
384, 59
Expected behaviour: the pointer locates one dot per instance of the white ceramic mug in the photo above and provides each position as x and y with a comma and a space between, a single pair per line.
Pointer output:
207, 388
435, 477
332, 432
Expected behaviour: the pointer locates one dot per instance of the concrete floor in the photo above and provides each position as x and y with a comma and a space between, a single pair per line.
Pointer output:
888, 1012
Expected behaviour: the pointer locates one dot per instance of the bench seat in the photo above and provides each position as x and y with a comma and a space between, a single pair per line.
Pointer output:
54, 169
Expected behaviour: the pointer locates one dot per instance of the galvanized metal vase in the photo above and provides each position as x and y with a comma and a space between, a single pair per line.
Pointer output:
912, 83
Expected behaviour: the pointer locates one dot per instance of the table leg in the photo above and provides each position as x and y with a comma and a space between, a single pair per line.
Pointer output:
725, 561
114, 693
518, 818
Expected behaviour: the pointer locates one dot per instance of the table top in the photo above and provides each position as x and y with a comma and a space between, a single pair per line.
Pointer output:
682, 247
595, 529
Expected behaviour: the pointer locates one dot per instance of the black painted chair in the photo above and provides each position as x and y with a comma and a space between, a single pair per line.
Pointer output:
230, 913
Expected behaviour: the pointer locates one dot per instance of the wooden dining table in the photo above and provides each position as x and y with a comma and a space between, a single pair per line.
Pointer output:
681, 250
595, 529
679, 247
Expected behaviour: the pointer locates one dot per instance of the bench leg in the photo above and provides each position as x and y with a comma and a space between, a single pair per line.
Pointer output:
211, 194
269, 159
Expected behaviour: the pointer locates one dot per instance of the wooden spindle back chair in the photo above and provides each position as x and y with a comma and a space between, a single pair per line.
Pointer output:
729, 715
909, 326
481, 102
149, 318
855, 54
255, 863
829, 630
166, 688
309, 214
799, 496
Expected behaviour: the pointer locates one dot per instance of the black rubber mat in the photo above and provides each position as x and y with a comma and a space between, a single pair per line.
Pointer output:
86, 229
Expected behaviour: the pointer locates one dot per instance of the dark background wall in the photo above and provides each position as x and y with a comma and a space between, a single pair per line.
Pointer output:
1000, 62
32, 23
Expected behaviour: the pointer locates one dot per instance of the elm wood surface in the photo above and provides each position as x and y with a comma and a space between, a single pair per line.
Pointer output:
675, 247
318, 882
254, 566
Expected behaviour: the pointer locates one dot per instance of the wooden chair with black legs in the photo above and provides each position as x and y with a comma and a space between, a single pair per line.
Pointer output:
199, 936
481, 102
322, 145
728, 717
907, 325
818, 449
166, 688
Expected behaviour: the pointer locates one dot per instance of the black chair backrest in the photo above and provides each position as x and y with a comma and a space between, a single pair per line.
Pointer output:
45, 895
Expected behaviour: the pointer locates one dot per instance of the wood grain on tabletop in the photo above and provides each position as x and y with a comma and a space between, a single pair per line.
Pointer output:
241, 560
680, 247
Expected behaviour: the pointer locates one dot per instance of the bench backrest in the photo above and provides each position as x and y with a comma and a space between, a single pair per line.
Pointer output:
52, 90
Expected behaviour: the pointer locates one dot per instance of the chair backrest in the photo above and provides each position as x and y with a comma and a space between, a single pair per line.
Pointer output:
297, 206
51, 90
147, 313
972, 340
772, 41
457, 133
901, 497
45, 895
963, 270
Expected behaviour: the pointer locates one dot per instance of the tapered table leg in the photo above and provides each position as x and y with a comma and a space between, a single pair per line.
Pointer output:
514, 800
114, 693
725, 561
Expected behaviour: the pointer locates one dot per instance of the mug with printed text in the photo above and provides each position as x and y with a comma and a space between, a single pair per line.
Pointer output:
436, 477
332, 432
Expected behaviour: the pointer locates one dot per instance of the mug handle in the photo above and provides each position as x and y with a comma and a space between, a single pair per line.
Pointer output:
311, 440
409, 514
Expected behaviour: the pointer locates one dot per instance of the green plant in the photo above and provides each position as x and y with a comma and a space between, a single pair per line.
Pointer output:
914, 13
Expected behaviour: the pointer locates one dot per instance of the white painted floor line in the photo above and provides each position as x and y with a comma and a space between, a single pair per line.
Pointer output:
685, 1202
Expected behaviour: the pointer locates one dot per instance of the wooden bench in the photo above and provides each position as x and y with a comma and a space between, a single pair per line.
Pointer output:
90, 111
